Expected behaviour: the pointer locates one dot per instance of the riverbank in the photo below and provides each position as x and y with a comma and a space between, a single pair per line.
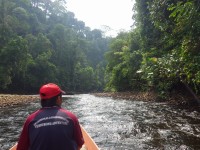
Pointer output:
13, 99
176, 100
141, 96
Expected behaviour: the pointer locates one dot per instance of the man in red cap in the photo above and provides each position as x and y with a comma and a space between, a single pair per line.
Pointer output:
51, 127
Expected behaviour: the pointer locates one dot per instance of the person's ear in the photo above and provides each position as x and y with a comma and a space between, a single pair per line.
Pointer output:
59, 100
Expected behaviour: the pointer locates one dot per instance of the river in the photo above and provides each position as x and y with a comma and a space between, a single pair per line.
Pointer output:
117, 124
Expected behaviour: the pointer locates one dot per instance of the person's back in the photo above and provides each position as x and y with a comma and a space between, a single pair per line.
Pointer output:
51, 128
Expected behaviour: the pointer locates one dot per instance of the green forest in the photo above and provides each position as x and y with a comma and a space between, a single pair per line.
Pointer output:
41, 41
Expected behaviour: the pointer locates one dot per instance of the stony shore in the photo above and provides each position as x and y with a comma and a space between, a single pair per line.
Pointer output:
10, 100
141, 96
177, 100
13, 99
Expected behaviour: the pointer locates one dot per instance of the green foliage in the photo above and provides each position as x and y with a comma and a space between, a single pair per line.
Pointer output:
5, 79
41, 71
40, 42
174, 58
86, 78
161, 52
13, 59
124, 61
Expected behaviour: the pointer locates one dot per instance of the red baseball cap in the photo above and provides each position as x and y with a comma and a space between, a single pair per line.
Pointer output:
50, 90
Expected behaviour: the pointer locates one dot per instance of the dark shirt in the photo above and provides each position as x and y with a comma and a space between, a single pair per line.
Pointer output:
51, 128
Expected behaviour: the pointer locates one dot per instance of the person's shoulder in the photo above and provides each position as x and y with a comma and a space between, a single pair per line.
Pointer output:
66, 111
33, 115
69, 113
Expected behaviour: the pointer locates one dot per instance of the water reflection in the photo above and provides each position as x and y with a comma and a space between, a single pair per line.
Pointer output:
117, 124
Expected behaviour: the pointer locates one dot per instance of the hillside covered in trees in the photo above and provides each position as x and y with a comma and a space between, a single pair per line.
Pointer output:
41, 42
161, 53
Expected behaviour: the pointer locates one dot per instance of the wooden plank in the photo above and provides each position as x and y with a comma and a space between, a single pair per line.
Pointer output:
89, 142
14, 147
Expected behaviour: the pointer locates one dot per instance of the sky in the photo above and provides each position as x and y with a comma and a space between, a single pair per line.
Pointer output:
116, 14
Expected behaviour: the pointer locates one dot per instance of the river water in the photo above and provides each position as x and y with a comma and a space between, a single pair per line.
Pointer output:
117, 124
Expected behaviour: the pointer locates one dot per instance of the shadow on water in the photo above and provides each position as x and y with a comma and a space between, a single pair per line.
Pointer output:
117, 124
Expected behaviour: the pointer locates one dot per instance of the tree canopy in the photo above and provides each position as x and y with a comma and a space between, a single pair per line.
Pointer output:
41, 41
162, 50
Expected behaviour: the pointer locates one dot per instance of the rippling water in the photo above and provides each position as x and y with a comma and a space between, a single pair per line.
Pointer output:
117, 124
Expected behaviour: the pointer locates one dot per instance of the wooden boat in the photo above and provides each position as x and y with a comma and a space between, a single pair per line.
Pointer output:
88, 145
89, 142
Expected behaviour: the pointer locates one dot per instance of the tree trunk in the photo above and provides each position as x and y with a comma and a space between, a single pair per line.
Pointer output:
196, 99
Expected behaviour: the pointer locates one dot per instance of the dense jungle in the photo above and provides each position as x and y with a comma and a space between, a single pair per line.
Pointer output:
41, 41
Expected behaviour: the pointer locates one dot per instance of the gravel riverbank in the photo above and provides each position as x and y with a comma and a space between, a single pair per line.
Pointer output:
143, 96
9, 99
176, 100
12, 99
